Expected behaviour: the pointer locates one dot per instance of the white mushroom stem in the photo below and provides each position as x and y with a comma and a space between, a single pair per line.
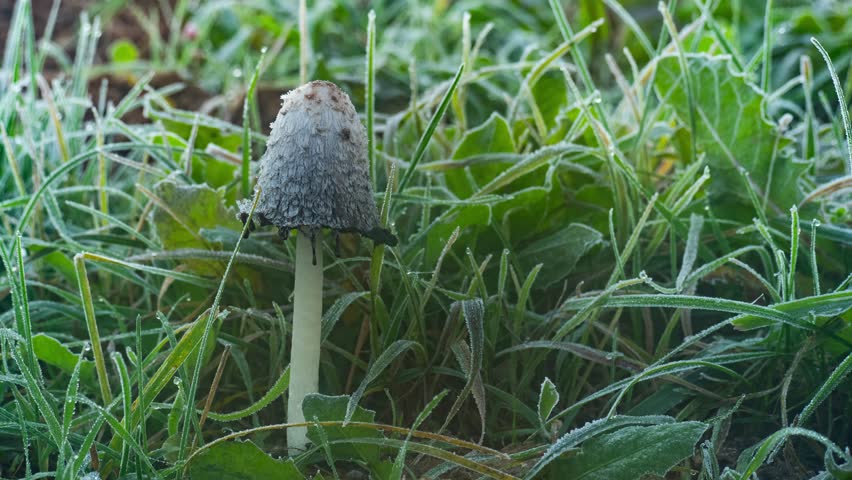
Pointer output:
307, 325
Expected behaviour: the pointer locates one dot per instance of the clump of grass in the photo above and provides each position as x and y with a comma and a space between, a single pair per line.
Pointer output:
587, 267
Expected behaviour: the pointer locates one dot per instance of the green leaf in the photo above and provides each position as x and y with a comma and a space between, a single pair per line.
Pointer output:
632, 452
59, 261
493, 136
123, 51
186, 210
664, 398
240, 460
327, 408
568, 442
470, 219
828, 305
548, 397
50, 351
559, 251
550, 94
733, 131
274, 392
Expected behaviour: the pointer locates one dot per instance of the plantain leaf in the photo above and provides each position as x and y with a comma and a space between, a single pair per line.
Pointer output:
632, 452
326, 408
733, 130
238, 461
493, 136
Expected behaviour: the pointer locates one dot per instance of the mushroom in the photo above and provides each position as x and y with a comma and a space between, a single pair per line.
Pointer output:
314, 175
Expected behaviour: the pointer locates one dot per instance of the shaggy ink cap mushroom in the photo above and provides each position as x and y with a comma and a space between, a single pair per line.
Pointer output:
315, 172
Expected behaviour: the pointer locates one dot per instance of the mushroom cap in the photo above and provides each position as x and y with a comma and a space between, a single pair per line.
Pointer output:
315, 172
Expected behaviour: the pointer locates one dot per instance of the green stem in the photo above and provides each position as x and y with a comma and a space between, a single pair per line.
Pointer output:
92, 326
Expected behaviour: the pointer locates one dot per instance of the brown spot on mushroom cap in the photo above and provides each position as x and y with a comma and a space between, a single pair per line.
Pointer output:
315, 172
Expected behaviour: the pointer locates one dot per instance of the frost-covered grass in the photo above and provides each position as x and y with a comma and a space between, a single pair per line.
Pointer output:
624, 243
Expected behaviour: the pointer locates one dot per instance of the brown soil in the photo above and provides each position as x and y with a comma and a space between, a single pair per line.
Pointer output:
125, 24
66, 21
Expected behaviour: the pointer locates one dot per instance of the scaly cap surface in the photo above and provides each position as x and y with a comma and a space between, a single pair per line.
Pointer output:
315, 172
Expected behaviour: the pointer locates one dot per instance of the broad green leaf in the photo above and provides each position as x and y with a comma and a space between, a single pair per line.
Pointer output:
493, 136
731, 127
212, 171
536, 208
326, 408
559, 251
569, 442
664, 398
550, 94
240, 460
50, 351
633, 452
184, 212
469, 218
60, 262
548, 397
205, 168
